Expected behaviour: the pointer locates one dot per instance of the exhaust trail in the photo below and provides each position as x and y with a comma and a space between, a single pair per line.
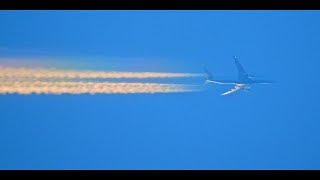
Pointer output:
7, 72
39, 87
29, 76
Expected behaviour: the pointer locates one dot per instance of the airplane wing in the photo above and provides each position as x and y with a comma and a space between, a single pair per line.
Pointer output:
217, 82
242, 74
236, 88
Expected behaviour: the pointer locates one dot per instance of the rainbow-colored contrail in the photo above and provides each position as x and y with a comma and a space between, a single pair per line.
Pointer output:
55, 73
41, 80
38, 87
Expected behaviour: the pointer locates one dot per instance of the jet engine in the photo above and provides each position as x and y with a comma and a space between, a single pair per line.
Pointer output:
247, 88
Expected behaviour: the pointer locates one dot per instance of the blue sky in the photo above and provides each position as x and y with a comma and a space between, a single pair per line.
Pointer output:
271, 127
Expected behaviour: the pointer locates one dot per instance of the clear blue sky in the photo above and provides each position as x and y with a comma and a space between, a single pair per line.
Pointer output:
272, 127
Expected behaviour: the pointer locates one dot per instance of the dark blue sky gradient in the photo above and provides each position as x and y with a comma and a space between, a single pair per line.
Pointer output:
272, 127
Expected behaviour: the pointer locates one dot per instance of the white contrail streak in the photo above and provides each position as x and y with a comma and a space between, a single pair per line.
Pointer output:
10, 72
39, 87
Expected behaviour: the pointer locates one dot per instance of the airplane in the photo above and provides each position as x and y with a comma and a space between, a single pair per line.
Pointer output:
243, 82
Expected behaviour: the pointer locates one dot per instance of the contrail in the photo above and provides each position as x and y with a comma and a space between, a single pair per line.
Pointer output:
39, 87
42, 80
9, 72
